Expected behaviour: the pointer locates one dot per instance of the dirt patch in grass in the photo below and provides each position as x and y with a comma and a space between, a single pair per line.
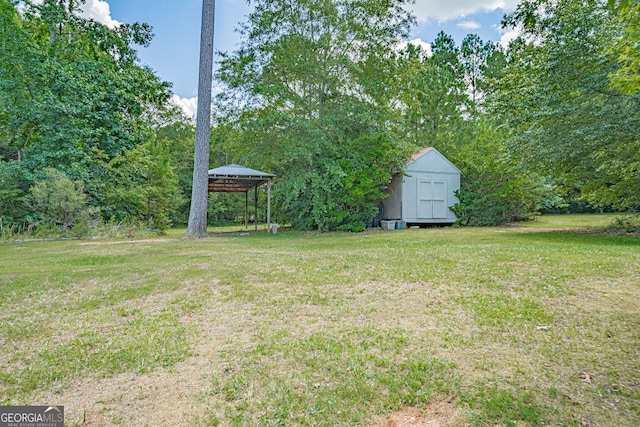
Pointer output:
166, 397
182, 394
436, 414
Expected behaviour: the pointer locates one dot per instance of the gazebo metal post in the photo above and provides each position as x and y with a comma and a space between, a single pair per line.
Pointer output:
269, 206
246, 210
255, 205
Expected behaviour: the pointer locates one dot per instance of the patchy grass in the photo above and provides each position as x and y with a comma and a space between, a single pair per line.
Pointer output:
572, 222
520, 325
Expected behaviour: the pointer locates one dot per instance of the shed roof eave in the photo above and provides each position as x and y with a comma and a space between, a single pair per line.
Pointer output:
424, 152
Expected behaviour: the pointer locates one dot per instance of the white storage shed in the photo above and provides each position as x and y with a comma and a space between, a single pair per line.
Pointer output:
425, 192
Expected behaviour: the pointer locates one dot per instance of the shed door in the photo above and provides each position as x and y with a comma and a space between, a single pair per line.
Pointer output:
432, 199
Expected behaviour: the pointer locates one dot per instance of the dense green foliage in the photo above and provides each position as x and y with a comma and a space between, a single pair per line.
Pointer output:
565, 114
494, 190
324, 95
328, 96
430, 93
57, 201
73, 98
311, 86
627, 48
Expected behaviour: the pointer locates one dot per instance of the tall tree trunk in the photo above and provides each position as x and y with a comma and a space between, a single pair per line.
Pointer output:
199, 193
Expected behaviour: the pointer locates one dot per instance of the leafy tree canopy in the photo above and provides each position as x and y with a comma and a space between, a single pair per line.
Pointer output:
557, 98
314, 83
74, 98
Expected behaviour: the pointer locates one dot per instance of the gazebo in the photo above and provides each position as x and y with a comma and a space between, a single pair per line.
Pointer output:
239, 179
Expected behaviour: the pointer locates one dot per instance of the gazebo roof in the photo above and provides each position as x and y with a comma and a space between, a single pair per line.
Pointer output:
236, 178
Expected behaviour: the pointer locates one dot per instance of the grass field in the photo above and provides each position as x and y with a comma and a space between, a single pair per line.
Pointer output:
523, 325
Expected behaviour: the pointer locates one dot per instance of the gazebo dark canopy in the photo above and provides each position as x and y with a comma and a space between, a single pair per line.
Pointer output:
236, 179
239, 179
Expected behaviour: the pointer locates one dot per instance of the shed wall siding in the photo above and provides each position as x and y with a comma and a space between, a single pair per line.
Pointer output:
393, 204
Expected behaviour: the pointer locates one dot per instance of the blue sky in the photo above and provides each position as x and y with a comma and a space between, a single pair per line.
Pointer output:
174, 52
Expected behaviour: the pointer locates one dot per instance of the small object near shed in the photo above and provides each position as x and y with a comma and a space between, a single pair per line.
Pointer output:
424, 193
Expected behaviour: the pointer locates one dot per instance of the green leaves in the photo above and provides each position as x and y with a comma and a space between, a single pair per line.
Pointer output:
626, 49
474, 56
57, 200
494, 189
314, 83
73, 99
565, 117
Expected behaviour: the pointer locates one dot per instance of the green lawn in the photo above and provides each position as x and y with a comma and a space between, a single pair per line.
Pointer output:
533, 324
570, 222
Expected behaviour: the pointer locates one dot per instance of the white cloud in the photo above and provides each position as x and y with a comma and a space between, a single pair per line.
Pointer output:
511, 34
426, 47
188, 105
468, 25
99, 11
443, 10
508, 35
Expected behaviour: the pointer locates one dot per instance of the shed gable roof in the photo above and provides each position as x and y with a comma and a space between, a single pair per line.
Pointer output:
429, 151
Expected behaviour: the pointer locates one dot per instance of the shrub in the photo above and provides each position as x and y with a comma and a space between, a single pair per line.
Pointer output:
494, 190
625, 224
338, 191
14, 185
57, 201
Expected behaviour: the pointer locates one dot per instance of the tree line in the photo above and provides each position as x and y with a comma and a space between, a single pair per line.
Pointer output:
328, 96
